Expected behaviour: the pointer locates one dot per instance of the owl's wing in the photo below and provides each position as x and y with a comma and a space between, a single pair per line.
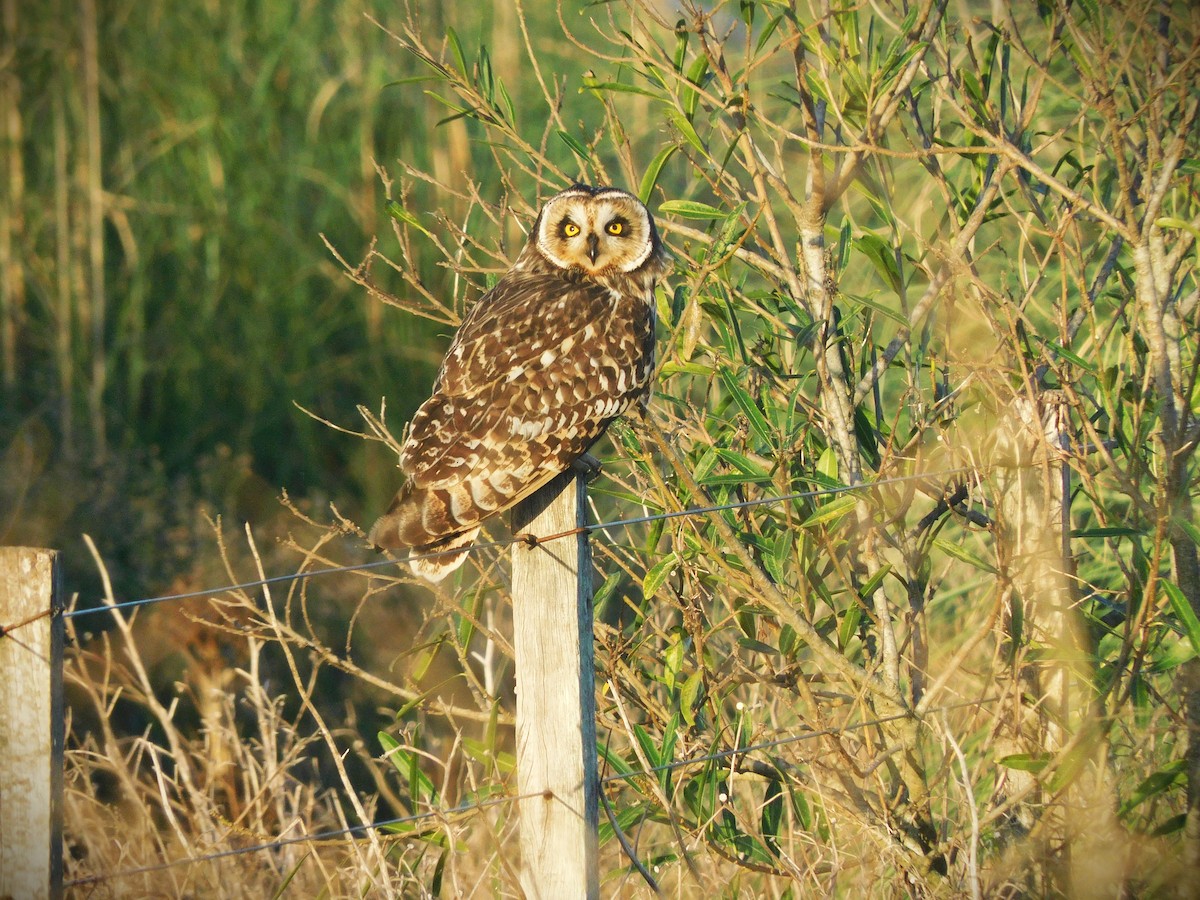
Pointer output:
513, 324
538, 370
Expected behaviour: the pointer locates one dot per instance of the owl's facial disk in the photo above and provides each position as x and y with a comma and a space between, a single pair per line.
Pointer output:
597, 232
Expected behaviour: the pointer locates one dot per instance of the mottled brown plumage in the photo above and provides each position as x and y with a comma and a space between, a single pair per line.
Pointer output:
540, 366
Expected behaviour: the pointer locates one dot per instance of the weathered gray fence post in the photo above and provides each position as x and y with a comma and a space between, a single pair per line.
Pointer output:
31, 724
556, 704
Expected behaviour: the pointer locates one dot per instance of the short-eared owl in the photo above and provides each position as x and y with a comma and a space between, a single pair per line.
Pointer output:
540, 366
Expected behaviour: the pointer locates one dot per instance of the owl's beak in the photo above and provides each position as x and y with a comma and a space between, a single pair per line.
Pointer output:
593, 247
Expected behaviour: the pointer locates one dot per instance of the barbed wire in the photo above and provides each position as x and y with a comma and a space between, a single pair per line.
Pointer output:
496, 801
502, 543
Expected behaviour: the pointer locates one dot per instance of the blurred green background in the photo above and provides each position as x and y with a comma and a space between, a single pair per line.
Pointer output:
169, 172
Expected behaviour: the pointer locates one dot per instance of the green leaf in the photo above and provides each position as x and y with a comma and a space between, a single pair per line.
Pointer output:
658, 574
849, 626
650, 178
749, 408
884, 310
400, 214
772, 815
1184, 612
1069, 355
407, 764
647, 744
576, 147
963, 555
690, 209
1170, 826
510, 112
756, 646
695, 75
680, 121
619, 88
766, 34
1025, 762
472, 607
1171, 775
831, 511
742, 463
673, 661
689, 695
614, 761
667, 753
882, 258
827, 465
1111, 531
457, 50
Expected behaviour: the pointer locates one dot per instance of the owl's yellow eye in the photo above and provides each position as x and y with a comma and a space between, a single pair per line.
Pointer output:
570, 229
616, 227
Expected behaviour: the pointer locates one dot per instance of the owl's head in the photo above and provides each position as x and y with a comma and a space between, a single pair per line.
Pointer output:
598, 231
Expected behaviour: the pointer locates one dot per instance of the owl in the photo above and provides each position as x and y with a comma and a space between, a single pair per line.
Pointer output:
540, 366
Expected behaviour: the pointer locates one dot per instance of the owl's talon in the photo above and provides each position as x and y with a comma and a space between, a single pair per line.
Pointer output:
587, 467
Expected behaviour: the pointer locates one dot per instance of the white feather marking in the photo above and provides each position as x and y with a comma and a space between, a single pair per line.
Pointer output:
547, 357
521, 428
483, 495
460, 503
501, 482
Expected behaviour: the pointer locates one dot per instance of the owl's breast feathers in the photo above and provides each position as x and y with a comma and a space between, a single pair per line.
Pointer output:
539, 368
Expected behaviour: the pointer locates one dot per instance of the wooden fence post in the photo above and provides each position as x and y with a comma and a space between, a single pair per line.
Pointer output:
556, 704
31, 725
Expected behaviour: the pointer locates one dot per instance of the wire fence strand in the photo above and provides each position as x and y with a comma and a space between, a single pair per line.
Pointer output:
443, 814
502, 543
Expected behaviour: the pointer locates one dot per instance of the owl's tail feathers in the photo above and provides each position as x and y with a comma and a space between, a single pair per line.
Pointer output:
438, 559
436, 567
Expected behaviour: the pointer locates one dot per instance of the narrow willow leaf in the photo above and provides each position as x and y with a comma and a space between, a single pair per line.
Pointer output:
741, 462
576, 147
1184, 612
647, 744
758, 422
690, 209
1059, 350
457, 50
657, 575
766, 34
772, 815
618, 88
849, 626
695, 75
874, 581
1173, 774
1025, 762
650, 178
882, 258
964, 555
612, 759
830, 512
1111, 531
884, 310
689, 696
400, 214
667, 753
680, 121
